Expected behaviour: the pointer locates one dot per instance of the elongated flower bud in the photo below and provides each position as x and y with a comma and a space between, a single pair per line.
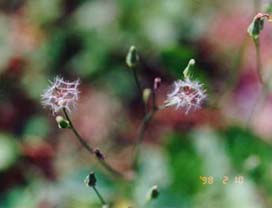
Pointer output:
132, 58
146, 94
153, 193
62, 123
91, 180
186, 70
257, 25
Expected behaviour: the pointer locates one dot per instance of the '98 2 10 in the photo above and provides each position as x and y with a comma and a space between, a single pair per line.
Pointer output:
208, 180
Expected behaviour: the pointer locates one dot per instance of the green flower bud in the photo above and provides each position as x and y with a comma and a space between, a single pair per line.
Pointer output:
90, 180
255, 28
186, 73
132, 57
146, 94
153, 193
257, 25
62, 123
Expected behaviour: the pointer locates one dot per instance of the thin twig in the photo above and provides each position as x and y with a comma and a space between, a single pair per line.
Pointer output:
79, 138
264, 91
139, 88
138, 85
148, 117
99, 196
141, 132
258, 60
260, 99
89, 148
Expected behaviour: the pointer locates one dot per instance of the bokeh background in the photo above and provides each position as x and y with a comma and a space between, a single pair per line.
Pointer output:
228, 140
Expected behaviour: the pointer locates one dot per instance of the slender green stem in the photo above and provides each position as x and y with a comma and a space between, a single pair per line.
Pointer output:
99, 196
148, 117
145, 123
141, 132
89, 148
258, 60
139, 87
110, 169
79, 138
264, 91
260, 99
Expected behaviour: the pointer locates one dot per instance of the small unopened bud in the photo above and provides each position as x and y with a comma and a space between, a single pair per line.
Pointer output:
132, 57
153, 193
186, 70
146, 94
157, 83
99, 154
90, 180
62, 123
192, 62
257, 25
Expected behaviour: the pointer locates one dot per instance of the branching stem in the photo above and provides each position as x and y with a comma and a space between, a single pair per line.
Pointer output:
90, 149
144, 125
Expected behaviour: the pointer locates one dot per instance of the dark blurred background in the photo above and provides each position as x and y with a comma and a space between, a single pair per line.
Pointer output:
219, 156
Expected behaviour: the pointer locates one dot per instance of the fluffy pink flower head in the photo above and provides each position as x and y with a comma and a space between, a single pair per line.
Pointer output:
187, 95
61, 94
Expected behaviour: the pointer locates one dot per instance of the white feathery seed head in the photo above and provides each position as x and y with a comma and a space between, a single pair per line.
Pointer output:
60, 95
187, 95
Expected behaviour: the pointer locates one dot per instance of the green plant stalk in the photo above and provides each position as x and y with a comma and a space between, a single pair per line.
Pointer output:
103, 202
79, 138
89, 148
144, 125
258, 60
265, 89
148, 117
139, 87
141, 133
261, 98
